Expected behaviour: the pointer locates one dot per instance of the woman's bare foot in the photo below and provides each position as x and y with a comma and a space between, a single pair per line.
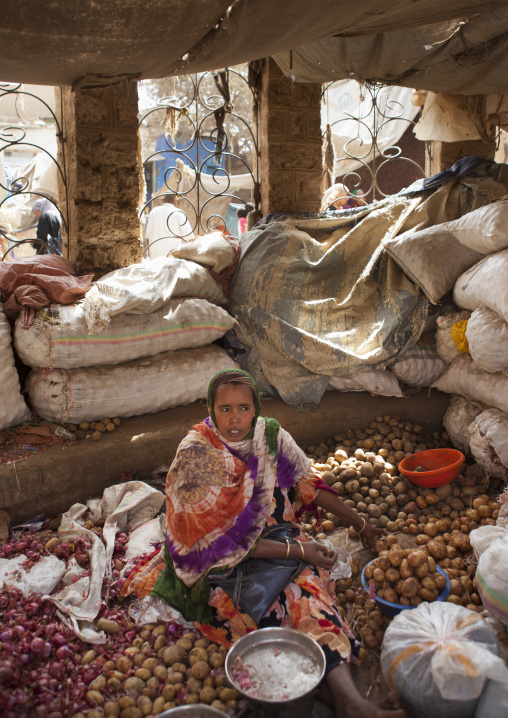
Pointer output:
347, 701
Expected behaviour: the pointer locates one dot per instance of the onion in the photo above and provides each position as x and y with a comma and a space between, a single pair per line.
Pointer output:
62, 652
8, 549
46, 651
37, 645
7, 635
58, 640
21, 546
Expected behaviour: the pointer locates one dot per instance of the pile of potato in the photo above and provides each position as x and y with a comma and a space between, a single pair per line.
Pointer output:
86, 429
154, 674
362, 467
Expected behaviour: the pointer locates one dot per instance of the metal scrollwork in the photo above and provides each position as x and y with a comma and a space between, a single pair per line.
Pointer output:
194, 162
16, 215
368, 150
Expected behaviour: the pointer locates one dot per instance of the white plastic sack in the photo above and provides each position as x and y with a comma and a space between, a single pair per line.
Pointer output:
483, 536
487, 337
42, 578
144, 539
493, 701
465, 378
62, 341
492, 580
13, 409
212, 250
483, 229
487, 437
145, 287
139, 387
382, 383
485, 285
438, 657
120, 507
446, 348
420, 365
432, 258
457, 418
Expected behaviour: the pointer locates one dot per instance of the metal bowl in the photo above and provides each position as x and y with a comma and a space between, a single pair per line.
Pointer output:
283, 653
196, 710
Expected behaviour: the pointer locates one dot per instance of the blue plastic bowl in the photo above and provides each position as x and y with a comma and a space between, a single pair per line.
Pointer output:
392, 609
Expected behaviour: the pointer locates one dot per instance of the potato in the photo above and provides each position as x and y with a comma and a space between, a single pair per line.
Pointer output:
173, 654
200, 669
416, 558
437, 549
410, 587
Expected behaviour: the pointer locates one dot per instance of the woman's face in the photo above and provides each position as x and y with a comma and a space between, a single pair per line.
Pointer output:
234, 410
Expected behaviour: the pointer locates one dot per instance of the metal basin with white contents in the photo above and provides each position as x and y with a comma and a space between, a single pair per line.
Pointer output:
272, 666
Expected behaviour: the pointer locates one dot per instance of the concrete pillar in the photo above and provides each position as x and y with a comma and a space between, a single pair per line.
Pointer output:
441, 156
104, 176
290, 143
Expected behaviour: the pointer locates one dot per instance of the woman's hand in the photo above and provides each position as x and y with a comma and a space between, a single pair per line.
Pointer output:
370, 535
316, 554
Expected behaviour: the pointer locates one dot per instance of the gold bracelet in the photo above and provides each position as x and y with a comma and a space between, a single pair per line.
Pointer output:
288, 549
301, 548
363, 527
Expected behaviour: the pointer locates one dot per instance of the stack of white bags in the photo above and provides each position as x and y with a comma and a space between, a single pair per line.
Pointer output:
140, 342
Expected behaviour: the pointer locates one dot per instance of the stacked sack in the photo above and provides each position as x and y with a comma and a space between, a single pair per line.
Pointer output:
140, 342
13, 409
475, 342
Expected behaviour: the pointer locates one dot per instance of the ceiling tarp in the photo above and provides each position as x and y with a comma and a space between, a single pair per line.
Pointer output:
61, 42
468, 56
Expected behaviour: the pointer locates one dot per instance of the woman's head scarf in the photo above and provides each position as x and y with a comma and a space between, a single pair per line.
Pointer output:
233, 376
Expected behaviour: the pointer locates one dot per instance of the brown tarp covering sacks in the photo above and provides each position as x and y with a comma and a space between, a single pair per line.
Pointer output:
64, 43
318, 297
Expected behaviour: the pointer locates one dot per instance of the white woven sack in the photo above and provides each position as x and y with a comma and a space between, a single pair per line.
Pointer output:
139, 387
485, 285
487, 336
381, 383
446, 348
62, 341
466, 378
145, 287
484, 229
492, 579
487, 436
212, 250
483, 536
438, 657
420, 365
13, 409
432, 258
459, 415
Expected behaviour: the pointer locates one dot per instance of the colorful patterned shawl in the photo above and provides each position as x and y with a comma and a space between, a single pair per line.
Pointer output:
219, 496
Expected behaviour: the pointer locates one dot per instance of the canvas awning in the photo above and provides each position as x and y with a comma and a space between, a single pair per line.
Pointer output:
64, 42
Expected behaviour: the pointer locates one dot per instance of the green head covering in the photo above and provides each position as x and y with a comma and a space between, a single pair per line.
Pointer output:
233, 376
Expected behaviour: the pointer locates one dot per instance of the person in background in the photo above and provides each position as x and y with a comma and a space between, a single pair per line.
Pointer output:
48, 227
339, 197
166, 228
234, 475
242, 213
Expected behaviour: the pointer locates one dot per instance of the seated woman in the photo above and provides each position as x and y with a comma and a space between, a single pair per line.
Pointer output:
233, 475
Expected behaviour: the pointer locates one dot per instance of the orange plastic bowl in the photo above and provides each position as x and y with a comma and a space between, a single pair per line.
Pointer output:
441, 467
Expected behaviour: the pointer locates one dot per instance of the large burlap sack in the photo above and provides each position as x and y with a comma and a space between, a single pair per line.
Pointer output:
483, 229
59, 339
438, 658
485, 285
487, 337
381, 383
457, 418
145, 287
467, 379
446, 347
139, 387
13, 409
432, 258
421, 365
492, 579
487, 437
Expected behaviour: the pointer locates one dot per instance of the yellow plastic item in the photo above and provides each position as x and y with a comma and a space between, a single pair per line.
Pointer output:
458, 332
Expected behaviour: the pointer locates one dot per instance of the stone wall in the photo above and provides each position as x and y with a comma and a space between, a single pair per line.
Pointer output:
104, 176
290, 143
